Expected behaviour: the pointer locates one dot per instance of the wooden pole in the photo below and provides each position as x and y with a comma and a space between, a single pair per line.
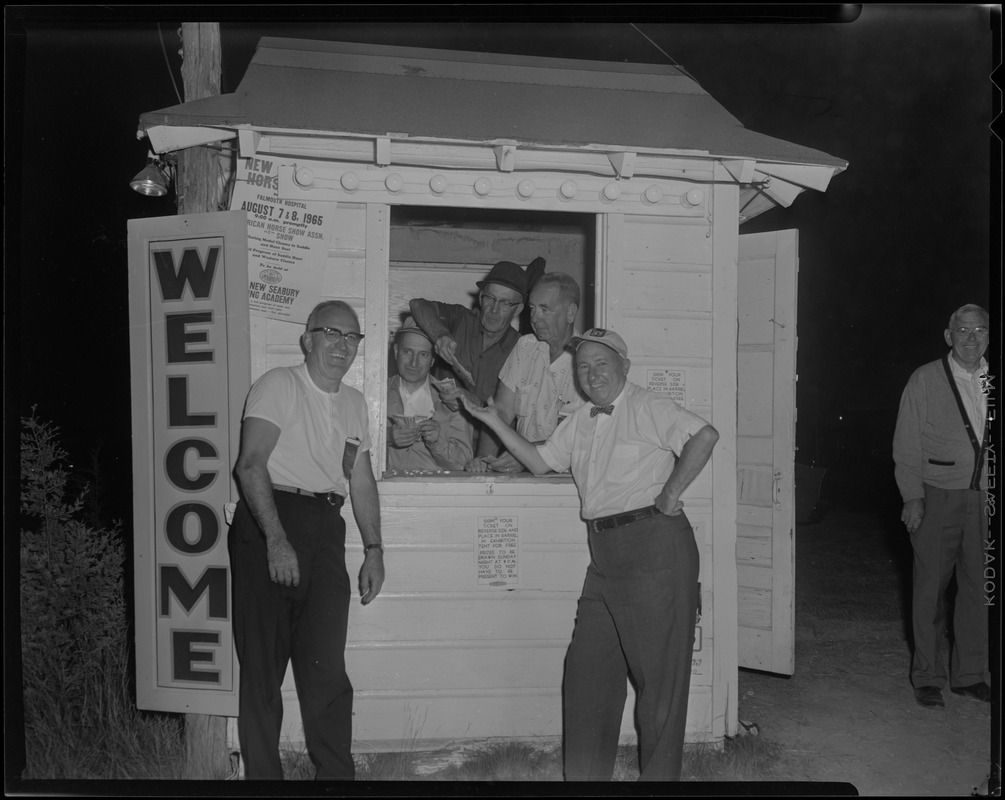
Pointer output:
200, 188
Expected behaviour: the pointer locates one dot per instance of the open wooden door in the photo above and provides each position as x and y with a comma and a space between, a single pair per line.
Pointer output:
765, 450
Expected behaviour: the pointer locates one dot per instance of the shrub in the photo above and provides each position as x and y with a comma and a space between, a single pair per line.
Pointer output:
80, 719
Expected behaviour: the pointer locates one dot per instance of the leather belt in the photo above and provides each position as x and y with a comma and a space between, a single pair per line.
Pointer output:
617, 520
333, 498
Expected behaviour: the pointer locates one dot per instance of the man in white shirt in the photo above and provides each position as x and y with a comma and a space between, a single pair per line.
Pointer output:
940, 451
632, 455
425, 434
537, 384
305, 447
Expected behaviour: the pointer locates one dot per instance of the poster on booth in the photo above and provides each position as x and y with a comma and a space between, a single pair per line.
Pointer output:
288, 242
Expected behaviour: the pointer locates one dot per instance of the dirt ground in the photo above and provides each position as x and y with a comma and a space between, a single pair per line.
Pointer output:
848, 713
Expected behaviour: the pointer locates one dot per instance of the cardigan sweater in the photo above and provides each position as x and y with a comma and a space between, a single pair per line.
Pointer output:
934, 442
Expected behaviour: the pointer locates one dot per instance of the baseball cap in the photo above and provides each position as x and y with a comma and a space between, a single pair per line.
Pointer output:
602, 336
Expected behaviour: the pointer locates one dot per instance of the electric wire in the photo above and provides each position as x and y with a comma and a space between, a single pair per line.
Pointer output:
167, 62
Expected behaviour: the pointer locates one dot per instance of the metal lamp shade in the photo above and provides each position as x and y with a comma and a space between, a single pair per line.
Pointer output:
150, 181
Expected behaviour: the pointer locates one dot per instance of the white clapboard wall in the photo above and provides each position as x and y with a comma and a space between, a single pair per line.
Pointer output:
441, 654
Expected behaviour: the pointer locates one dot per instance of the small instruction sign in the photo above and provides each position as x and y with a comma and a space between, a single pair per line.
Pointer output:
669, 381
498, 551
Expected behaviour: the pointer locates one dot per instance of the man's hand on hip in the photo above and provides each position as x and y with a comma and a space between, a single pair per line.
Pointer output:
671, 506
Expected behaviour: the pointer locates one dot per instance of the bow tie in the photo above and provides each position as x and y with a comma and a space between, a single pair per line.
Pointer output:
601, 410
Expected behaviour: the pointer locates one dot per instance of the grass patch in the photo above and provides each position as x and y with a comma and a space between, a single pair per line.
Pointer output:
115, 740
742, 758
512, 760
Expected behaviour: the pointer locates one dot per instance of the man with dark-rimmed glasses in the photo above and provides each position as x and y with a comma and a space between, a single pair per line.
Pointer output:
940, 452
305, 447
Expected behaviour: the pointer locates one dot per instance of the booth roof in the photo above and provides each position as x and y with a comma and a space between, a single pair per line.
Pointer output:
374, 90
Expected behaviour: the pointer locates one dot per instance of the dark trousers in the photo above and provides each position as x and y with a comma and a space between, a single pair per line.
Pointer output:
636, 619
951, 536
306, 624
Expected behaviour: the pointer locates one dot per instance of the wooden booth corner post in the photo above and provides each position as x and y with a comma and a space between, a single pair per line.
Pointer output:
199, 191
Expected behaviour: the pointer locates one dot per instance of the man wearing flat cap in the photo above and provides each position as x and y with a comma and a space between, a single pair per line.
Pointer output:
632, 453
425, 433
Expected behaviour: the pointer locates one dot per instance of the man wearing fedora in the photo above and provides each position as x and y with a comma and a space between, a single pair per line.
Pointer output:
537, 385
425, 433
632, 453
475, 343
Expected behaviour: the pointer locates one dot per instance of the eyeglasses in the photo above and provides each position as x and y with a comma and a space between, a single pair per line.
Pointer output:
495, 302
334, 335
962, 332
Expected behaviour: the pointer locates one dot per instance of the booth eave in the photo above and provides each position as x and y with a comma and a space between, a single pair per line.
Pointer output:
350, 90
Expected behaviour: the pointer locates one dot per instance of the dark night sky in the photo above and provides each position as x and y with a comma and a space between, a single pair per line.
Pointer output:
897, 242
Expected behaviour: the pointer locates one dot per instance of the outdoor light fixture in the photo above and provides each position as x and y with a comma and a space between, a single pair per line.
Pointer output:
154, 179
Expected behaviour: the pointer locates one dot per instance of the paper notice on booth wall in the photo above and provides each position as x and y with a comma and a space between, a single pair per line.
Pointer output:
498, 552
669, 381
287, 242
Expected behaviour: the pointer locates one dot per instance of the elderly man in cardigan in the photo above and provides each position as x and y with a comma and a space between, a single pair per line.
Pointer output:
940, 450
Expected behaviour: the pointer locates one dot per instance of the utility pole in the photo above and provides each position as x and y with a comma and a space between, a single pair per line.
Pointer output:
200, 187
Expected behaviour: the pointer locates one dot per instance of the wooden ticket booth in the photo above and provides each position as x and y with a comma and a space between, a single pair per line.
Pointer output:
385, 173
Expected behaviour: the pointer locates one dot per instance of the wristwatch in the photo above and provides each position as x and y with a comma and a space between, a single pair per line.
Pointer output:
374, 546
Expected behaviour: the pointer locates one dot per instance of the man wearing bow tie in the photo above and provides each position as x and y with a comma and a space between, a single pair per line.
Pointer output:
632, 453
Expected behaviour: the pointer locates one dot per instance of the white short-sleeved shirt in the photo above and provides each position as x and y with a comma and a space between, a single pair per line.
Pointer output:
313, 427
621, 462
545, 391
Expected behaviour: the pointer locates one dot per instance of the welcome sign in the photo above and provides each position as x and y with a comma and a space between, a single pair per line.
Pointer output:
190, 364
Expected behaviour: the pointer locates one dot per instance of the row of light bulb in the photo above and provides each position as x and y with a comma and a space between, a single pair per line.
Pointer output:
482, 186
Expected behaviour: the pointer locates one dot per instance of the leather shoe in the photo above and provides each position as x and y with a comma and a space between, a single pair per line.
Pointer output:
929, 696
978, 691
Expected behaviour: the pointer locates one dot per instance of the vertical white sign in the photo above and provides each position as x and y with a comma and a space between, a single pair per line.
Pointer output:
190, 371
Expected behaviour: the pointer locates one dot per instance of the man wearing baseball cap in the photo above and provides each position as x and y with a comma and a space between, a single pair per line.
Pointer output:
632, 453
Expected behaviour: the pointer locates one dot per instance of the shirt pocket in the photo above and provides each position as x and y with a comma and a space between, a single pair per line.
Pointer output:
937, 463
